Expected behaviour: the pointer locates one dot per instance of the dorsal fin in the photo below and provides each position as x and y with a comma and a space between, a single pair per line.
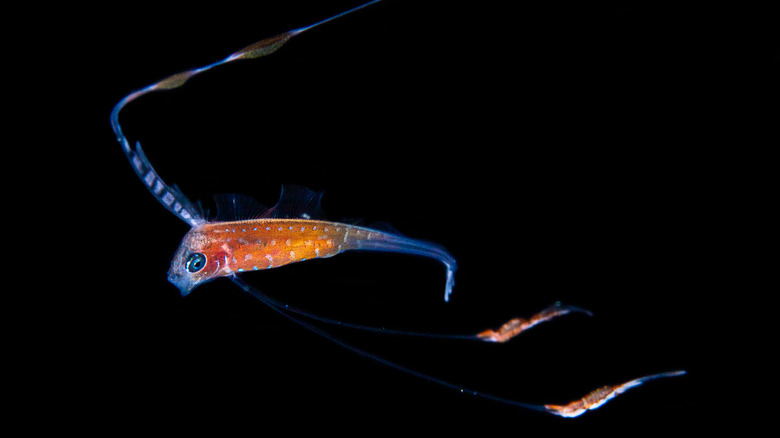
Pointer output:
237, 207
296, 202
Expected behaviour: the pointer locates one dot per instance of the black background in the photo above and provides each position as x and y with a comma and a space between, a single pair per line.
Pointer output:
557, 152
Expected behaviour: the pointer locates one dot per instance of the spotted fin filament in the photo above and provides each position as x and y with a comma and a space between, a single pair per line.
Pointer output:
599, 397
592, 401
170, 196
516, 326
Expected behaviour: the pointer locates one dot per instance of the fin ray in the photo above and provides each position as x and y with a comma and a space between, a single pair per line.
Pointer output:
170, 197
296, 202
237, 207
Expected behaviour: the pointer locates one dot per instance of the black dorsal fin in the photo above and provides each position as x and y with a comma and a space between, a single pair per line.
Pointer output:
296, 202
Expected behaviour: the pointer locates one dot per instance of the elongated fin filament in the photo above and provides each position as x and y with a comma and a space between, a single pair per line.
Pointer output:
599, 397
591, 401
174, 81
184, 210
516, 326
263, 47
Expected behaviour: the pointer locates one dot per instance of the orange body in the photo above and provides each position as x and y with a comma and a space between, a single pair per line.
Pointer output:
220, 249
270, 243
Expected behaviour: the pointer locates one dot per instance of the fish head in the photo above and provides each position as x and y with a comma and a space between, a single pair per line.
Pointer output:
197, 260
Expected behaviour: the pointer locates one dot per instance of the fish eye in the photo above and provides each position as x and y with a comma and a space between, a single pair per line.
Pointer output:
196, 262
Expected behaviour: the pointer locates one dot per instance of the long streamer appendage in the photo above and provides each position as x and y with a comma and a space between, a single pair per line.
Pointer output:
599, 397
509, 330
516, 326
167, 195
576, 408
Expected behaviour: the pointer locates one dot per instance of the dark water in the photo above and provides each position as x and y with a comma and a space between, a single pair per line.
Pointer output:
555, 152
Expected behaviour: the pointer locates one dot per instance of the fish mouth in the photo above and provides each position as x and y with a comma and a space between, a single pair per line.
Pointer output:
184, 285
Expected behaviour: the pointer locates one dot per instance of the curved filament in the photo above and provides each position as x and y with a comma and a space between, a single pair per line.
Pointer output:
170, 196
592, 401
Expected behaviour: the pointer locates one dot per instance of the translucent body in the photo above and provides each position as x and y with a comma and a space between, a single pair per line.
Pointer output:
252, 245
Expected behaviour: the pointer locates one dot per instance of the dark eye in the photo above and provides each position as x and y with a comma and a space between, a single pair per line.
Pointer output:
196, 262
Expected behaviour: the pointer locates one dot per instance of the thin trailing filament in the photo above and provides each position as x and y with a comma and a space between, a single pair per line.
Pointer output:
482, 337
593, 400
599, 397
516, 326
170, 196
